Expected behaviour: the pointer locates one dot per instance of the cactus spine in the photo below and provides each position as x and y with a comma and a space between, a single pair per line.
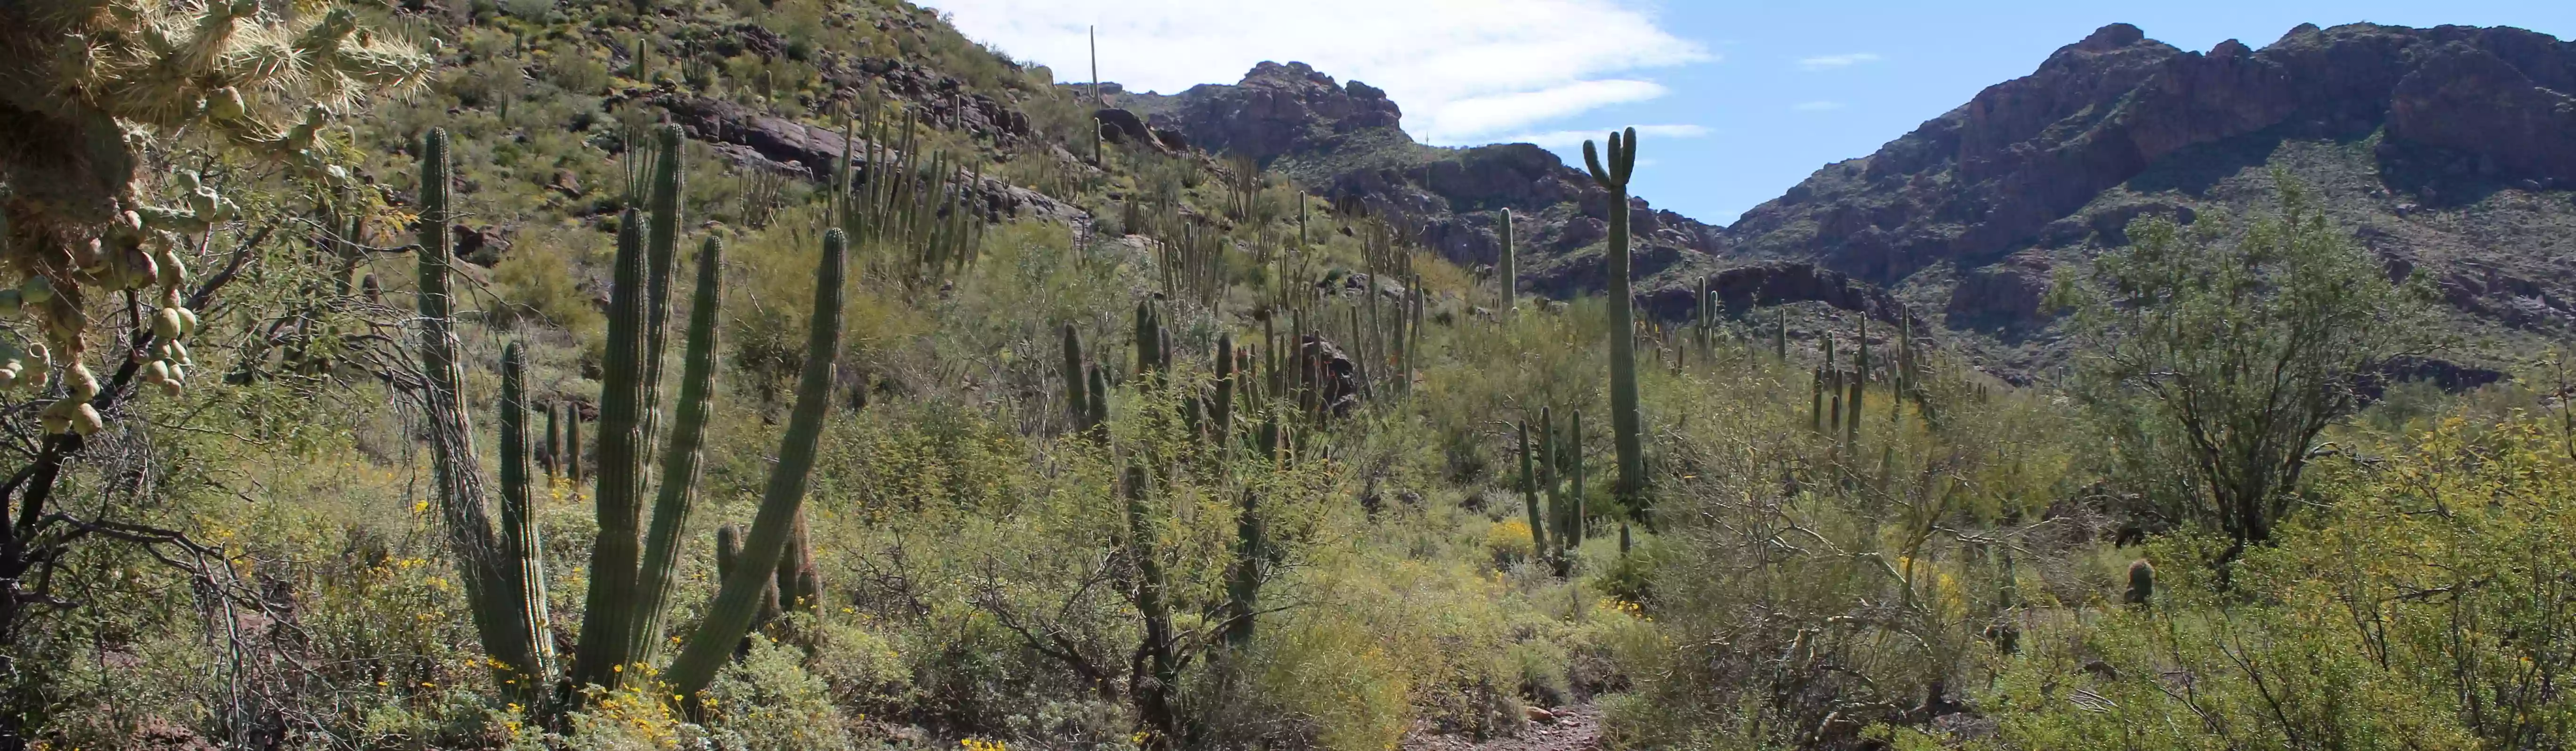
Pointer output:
1627, 432
729, 616
494, 586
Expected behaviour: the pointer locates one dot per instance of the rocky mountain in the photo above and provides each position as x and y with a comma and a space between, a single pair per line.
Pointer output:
2451, 150
1346, 142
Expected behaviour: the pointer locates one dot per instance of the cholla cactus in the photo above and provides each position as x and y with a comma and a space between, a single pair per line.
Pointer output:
88, 87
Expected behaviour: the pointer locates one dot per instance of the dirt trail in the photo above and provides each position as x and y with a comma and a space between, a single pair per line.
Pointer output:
1576, 728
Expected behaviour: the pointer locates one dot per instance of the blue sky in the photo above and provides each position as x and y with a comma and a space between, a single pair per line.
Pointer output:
1736, 101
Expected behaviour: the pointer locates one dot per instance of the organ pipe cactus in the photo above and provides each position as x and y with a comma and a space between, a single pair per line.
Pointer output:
1627, 430
1221, 411
521, 538
505, 619
632, 566
729, 616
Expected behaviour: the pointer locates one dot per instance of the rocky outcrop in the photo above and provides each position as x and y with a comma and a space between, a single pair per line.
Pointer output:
1740, 289
2003, 294
766, 142
1278, 109
2521, 119
1346, 141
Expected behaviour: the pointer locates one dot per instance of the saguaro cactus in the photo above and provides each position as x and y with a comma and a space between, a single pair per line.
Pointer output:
1627, 430
1507, 274
1077, 395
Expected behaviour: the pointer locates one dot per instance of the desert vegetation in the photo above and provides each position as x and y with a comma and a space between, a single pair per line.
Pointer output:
993, 435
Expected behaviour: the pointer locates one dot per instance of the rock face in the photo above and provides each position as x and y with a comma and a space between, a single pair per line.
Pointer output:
1988, 178
1278, 109
1347, 140
776, 143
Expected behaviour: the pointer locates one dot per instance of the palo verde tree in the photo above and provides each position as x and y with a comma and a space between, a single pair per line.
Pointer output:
2216, 353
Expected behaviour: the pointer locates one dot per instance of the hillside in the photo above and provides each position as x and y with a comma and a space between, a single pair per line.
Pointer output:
800, 375
2451, 150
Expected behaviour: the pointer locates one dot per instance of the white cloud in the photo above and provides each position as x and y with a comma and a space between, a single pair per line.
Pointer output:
1562, 139
1816, 106
1462, 69
1829, 62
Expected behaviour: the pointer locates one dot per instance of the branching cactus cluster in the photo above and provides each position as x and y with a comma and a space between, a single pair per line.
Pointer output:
633, 568
924, 208
1553, 469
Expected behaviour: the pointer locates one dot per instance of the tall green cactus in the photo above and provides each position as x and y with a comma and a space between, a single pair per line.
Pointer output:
1575, 468
729, 616
1550, 543
490, 573
573, 469
1221, 411
680, 459
521, 537
1626, 425
1508, 273
554, 445
1077, 398
1529, 496
1859, 380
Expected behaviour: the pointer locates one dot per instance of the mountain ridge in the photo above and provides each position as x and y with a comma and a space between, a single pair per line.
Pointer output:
2450, 149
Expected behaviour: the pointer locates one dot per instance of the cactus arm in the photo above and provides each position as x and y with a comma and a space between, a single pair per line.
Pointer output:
1222, 412
680, 460
662, 244
729, 616
1077, 403
1529, 495
500, 616
607, 617
524, 545
1575, 460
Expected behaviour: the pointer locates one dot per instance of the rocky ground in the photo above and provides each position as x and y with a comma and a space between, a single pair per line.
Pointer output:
1575, 728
